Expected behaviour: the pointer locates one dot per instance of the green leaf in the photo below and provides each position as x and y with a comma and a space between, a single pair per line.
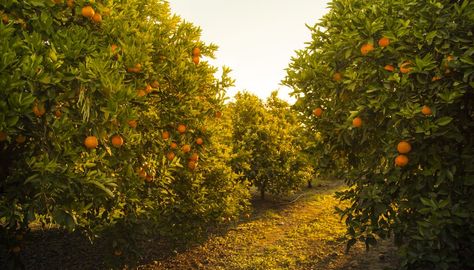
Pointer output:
443, 121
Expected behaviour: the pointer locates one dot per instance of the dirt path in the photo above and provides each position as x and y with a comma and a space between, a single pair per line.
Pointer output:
306, 234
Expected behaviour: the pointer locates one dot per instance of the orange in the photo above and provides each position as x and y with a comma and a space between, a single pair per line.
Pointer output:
357, 122
426, 110
97, 18
186, 148
141, 93
366, 48
318, 112
170, 156
38, 110
196, 60
194, 157
16, 249
135, 69
192, 165
58, 113
196, 51
70, 3
404, 67
218, 114
91, 142
5, 19
142, 173
117, 141
117, 252
404, 147
199, 141
149, 178
155, 84
389, 68
435, 78
173, 145
450, 58
337, 76
165, 135
132, 123
181, 128
148, 89
384, 42
3, 136
401, 161
88, 12
20, 139
113, 48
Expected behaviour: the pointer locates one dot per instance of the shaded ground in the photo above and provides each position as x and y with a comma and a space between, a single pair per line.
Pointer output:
301, 233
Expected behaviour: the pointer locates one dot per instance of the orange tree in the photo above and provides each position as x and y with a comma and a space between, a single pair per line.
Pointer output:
264, 143
389, 87
103, 107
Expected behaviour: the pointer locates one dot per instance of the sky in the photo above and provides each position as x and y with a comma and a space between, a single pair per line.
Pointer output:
256, 38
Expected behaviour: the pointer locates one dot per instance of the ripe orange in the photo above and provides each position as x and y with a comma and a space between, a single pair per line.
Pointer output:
117, 141
404, 147
3, 136
435, 78
199, 141
170, 156
192, 165
5, 19
16, 249
426, 110
20, 139
117, 252
401, 161
366, 48
155, 84
357, 122
404, 67
194, 157
173, 145
389, 68
196, 60
384, 42
58, 113
218, 114
88, 12
132, 123
135, 69
142, 173
148, 89
449, 58
181, 128
165, 135
70, 3
337, 76
91, 142
97, 18
113, 48
38, 110
186, 148
196, 51
149, 178
318, 112
141, 93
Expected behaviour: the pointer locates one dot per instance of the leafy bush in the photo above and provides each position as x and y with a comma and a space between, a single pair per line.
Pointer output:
383, 72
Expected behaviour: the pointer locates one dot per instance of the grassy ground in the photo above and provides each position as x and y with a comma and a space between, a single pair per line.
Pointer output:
305, 234
302, 232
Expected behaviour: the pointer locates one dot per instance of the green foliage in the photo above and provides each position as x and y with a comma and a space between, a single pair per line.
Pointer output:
92, 79
427, 205
265, 145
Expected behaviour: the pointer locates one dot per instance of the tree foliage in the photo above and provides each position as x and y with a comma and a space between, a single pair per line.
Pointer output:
383, 72
265, 144
131, 72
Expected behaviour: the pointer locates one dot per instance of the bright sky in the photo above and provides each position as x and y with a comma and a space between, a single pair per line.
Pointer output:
256, 38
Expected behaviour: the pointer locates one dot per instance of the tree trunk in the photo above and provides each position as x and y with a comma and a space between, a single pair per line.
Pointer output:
310, 185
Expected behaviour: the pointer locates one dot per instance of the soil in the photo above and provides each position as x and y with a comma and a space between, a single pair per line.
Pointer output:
301, 232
